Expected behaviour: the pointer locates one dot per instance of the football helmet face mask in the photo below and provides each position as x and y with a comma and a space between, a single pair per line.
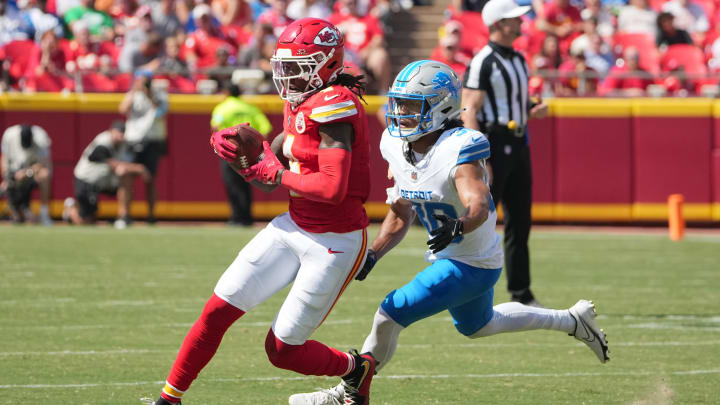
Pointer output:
308, 56
423, 98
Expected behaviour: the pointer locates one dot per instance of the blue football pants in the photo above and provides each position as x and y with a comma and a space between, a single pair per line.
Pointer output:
465, 291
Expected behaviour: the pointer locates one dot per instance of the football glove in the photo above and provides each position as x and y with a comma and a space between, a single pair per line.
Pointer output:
370, 261
449, 229
221, 146
265, 170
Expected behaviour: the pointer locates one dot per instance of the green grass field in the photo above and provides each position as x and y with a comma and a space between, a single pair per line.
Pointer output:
95, 316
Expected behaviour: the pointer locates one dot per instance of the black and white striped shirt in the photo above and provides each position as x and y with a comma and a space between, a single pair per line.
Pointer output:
502, 73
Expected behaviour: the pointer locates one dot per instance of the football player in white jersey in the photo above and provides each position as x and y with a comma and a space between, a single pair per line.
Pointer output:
439, 172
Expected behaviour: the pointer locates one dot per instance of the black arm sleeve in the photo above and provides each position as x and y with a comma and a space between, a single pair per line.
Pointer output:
100, 154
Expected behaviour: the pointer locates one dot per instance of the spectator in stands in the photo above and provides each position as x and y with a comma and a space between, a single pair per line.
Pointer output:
88, 58
455, 28
35, 22
450, 54
148, 56
668, 33
145, 109
165, 20
258, 7
98, 22
276, 16
135, 37
101, 170
257, 53
231, 112
638, 17
549, 57
25, 165
221, 72
677, 83
604, 20
298, 9
60, 7
626, 78
577, 78
562, 19
596, 51
599, 55
202, 44
365, 38
10, 24
474, 6
714, 62
118, 9
690, 17
170, 62
47, 66
232, 12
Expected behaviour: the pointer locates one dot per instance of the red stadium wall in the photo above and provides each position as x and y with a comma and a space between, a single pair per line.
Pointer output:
593, 159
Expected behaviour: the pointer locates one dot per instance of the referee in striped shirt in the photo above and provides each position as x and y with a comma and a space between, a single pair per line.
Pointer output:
496, 101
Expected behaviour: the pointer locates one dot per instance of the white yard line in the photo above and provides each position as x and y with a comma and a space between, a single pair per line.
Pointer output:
389, 377
407, 346
711, 323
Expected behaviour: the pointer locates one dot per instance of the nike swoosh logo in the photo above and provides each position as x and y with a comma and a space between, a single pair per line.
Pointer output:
328, 98
332, 252
588, 332
366, 366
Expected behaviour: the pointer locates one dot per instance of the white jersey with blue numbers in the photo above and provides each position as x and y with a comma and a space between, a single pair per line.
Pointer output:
430, 186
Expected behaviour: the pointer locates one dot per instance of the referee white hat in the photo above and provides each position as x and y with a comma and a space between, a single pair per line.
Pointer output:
496, 10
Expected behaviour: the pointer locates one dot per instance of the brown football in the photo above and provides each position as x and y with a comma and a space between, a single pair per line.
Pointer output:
249, 145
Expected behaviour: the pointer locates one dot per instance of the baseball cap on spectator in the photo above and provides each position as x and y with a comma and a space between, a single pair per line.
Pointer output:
200, 11
449, 41
496, 10
453, 27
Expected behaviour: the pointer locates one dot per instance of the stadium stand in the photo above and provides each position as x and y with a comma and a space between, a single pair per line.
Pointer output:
49, 46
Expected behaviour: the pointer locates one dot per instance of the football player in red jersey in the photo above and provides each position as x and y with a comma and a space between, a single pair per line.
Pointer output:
318, 246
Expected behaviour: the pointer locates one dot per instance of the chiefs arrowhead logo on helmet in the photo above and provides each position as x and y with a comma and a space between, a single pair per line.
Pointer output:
327, 37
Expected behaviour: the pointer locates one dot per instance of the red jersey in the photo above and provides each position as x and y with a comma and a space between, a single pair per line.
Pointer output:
302, 139
359, 31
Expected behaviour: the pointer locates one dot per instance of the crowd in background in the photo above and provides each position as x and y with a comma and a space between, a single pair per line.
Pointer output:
573, 47
194, 45
602, 47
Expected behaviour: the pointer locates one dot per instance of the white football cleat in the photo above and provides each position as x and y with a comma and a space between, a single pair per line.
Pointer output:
587, 330
330, 396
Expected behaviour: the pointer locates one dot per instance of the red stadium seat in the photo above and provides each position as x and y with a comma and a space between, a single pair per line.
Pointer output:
645, 45
689, 57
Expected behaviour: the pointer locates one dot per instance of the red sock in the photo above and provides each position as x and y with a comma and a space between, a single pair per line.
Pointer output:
200, 346
309, 358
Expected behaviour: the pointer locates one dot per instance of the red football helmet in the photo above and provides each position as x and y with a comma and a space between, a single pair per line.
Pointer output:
308, 56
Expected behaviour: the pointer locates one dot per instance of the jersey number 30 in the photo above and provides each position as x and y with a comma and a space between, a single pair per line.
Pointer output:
426, 209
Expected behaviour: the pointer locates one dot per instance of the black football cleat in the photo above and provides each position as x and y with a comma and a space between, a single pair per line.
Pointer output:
357, 383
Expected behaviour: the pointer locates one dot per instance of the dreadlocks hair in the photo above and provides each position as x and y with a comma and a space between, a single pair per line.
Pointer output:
453, 123
352, 82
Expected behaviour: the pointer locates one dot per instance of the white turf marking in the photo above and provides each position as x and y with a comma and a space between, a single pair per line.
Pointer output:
389, 377
409, 346
664, 322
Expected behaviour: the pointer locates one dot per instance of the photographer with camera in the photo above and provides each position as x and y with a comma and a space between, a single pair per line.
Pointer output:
101, 170
26, 165
145, 108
